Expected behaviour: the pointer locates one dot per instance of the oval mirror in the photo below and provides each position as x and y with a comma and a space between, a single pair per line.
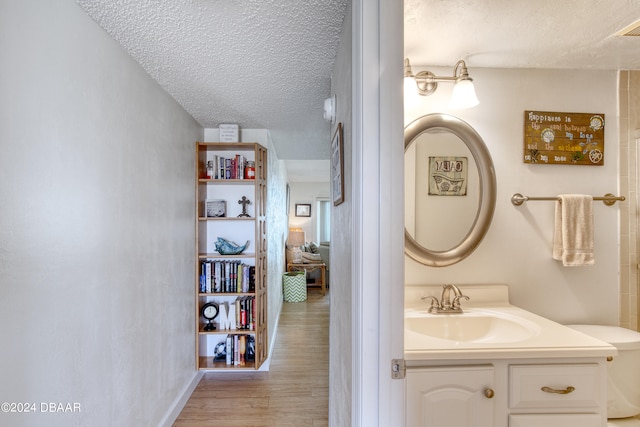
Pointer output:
450, 190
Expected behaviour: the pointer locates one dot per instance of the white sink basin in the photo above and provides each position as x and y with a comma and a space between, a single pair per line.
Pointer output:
474, 326
489, 329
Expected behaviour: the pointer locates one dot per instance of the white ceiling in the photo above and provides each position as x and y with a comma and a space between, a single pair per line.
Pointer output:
263, 64
267, 64
308, 170
570, 34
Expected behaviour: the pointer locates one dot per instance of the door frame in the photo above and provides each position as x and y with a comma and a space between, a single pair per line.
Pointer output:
378, 211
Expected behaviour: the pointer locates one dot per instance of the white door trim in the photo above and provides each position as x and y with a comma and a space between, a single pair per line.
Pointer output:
378, 212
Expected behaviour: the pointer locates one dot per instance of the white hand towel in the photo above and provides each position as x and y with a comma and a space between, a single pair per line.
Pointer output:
573, 234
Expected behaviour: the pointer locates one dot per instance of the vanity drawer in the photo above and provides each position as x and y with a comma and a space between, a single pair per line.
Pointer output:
554, 386
556, 420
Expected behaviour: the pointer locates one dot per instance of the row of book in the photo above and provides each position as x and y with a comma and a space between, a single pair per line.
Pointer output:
235, 315
236, 350
245, 314
227, 276
226, 168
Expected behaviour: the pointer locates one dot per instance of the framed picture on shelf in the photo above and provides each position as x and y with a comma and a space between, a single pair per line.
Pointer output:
337, 167
229, 132
303, 210
215, 208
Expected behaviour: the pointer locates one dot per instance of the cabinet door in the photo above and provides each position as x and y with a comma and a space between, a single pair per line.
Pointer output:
556, 420
450, 396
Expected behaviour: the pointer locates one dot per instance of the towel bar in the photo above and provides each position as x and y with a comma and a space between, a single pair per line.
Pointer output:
608, 199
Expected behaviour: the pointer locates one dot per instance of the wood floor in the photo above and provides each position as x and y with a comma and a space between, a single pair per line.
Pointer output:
295, 391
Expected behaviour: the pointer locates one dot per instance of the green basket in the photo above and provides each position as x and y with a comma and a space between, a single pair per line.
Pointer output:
295, 286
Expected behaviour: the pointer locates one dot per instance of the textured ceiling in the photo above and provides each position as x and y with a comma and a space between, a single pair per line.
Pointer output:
267, 64
570, 34
264, 64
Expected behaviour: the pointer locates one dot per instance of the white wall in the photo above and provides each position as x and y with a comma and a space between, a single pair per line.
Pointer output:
341, 321
96, 225
308, 193
517, 248
276, 222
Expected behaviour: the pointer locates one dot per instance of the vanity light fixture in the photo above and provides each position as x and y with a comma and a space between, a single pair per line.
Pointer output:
426, 83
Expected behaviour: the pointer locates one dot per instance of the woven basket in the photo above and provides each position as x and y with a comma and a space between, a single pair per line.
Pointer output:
295, 286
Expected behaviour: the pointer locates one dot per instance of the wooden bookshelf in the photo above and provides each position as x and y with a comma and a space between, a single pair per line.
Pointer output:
231, 187
207, 363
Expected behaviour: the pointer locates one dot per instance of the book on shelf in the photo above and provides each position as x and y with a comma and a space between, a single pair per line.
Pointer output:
216, 278
207, 276
228, 167
236, 315
228, 276
245, 313
236, 350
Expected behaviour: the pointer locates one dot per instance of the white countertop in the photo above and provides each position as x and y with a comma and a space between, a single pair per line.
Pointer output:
550, 340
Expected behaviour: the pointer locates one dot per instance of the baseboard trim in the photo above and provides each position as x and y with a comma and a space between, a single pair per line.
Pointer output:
272, 342
178, 404
180, 401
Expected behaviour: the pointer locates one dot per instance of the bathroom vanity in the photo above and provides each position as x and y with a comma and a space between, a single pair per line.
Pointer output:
497, 365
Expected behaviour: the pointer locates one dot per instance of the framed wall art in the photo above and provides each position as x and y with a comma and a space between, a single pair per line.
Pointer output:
558, 138
229, 132
337, 166
448, 176
303, 209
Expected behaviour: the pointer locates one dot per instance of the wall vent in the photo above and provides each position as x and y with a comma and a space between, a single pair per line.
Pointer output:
631, 30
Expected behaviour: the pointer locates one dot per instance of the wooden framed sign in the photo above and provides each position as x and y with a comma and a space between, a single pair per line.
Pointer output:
563, 138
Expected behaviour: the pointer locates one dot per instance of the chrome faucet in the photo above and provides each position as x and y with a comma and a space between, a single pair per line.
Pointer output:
446, 304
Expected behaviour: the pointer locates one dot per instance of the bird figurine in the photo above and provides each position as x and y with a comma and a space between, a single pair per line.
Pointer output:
225, 247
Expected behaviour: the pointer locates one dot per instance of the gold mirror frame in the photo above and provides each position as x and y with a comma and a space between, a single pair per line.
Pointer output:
487, 191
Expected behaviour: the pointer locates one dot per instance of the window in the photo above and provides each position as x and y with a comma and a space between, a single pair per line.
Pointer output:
323, 219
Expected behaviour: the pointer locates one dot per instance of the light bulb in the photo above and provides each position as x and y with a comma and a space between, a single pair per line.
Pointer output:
464, 95
411, 95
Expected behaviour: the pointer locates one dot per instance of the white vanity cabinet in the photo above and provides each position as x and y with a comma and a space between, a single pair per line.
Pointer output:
460, 396
541, 373
556, 420
549, 392
575, 392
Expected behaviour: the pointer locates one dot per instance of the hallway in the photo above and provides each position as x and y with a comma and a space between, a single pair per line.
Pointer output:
294, 393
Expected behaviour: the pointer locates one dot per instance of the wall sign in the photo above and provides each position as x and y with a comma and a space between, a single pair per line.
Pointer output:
448, 176
563, 138
229, 132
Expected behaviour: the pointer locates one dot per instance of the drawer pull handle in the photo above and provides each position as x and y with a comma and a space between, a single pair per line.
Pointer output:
556, 391
489, 393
